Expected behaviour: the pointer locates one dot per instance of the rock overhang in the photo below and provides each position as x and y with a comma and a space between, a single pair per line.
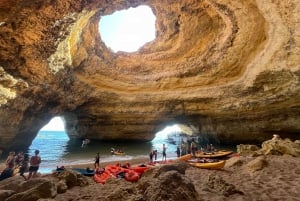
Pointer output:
213, 64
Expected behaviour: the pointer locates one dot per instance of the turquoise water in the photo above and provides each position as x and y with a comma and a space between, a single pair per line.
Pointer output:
56, 149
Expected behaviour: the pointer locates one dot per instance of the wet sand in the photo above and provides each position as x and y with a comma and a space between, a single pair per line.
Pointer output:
134, 161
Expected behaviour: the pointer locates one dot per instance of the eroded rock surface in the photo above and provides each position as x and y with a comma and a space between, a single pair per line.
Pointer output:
230, 68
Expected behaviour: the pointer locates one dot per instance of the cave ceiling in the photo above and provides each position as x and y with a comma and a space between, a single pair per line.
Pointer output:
229, 68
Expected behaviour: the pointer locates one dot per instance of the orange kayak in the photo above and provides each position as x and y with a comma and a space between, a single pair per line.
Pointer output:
140, 169
101, 178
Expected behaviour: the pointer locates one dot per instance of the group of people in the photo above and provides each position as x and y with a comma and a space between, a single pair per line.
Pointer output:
187, 148
191, 147
153, 154
21, 163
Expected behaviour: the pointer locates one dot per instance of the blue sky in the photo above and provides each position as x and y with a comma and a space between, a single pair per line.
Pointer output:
127, 30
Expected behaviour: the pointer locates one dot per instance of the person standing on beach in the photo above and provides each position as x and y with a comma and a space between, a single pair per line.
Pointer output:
151, 154
24, 165
97, 161
155, 154
183, 148
193, 148
34, 164
178, 152
164, 152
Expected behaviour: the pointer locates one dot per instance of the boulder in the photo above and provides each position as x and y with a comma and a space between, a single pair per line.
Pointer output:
257, 164
6, 193
167, 182
278, 146
46, 189
234, 161
247, 149
62, 187
72, 178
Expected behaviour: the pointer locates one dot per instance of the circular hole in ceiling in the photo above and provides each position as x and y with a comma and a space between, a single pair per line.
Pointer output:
128, 30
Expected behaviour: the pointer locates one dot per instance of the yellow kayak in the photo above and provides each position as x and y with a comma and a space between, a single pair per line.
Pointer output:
210, 165
119, 153
217, 154
185, 157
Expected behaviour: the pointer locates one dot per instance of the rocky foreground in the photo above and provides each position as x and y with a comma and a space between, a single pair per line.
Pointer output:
251, 175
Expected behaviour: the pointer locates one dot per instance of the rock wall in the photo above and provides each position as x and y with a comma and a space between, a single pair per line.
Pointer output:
228, 67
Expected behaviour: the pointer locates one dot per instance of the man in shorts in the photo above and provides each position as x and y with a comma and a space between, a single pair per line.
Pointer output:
34, 164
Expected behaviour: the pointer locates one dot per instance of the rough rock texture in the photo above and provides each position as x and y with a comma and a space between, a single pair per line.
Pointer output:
216, 184
48, 186
230, 68
278, 146
247, 149
160, 183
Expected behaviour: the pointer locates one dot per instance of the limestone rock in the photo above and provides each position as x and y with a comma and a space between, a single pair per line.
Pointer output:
158, 183
166, 184
247, 149
46, 189
234, 161
216, 184
6, 193
16, 189
72, 178
228, 68
278, 146
62, 187
257, 164
11, 183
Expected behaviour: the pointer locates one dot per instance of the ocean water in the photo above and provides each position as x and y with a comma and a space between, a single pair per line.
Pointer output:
56, 150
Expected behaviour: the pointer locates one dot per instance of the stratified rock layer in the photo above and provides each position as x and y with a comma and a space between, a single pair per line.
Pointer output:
230, 68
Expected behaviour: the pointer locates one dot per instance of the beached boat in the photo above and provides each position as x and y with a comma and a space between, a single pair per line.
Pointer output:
101, 178
185, 157
140, 169
214, 165
131, 174
217, 154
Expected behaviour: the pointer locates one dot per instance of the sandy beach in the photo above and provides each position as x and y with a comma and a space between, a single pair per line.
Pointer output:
277, 178
134, 161
250, 178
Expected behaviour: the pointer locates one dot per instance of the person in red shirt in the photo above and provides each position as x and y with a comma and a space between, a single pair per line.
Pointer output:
34, 164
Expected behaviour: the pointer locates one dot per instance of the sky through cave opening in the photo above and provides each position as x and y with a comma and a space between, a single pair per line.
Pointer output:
128, 30
55, 124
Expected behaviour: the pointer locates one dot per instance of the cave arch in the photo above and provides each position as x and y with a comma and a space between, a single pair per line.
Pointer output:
209, 61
